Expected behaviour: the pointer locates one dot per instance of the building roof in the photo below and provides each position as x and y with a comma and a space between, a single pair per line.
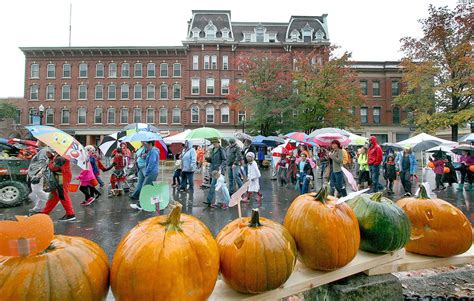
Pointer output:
118, 50
376, 65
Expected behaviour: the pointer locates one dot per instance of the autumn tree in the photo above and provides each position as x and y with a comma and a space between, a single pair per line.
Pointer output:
328, 89
438, 70
7, 110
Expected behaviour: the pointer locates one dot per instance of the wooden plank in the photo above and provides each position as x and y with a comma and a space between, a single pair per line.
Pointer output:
304, 278
416, 262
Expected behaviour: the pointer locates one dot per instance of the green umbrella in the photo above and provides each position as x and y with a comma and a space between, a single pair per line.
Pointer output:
204, 133
159, 193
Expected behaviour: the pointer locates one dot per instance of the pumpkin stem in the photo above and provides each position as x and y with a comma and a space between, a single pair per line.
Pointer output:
255, 219
423, 194
376, 197
322, 194
173, 219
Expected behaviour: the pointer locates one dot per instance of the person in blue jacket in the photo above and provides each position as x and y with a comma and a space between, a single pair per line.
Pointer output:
141, 162
188, 161
406, 165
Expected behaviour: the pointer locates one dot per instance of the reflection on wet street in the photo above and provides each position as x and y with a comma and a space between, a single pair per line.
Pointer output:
108, 219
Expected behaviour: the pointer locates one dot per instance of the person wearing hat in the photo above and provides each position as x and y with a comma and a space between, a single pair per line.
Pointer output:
438, 162
234, 159
336, 177
375, 157
248, 147
406, 165
217, 161
254, 178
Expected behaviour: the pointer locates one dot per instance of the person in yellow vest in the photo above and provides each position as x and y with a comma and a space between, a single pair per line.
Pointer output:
346, 159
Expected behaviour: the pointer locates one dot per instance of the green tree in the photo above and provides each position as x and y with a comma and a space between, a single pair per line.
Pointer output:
7, 110
438, 70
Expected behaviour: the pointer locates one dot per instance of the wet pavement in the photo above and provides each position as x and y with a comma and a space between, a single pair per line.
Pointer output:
108, 219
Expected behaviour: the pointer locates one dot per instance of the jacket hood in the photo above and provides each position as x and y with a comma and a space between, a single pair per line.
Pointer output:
373, 140
188, 144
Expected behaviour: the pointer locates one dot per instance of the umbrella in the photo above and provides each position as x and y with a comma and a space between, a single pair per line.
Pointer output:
205, 133
357, 140
394, 146
243, 136
467, 138
62, 143
142, 136
425, 145
326, 139
141, 127
298, 136
280, 150
458, 150
110, 142
329, 131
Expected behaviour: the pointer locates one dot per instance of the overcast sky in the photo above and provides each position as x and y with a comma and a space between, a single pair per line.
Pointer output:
370, 29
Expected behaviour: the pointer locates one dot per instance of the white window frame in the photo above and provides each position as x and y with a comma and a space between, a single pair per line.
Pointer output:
193, 81
109, 89
63, 91
83, 72
177, 70
99, 67
241, 116
109, 110
173, 116
379, 115
224, 109
206, 62
208, 86
150, 88
135, 119
122, 110
65, 70
138, 70
84, 92
124, 88
79, 110
135, 90
166, 89
50, 94
51, 68
210, 109
125, 70
35, 70
62, 116
214, 62
195, 112
101, 115
151, 67
366, 110
49, 113
112, 70
99, 92
225, 82
225, 62
176, 87
34, 92
163, 71
147, 115
195, 62
165, 110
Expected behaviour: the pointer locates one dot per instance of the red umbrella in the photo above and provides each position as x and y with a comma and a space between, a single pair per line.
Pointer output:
326, 139
160, 144
298, 136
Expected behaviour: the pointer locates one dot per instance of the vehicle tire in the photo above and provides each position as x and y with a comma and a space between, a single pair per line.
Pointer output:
12, 193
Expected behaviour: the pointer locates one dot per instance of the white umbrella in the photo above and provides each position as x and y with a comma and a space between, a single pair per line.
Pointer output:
422, 137
181, 137
329, 131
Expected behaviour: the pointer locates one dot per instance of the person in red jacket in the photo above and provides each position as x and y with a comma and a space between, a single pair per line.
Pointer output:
60, 178
374, 160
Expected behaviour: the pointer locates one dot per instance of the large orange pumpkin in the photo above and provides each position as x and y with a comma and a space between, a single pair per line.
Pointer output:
70, 268
438, 228
256, 254
170, 257
326, 234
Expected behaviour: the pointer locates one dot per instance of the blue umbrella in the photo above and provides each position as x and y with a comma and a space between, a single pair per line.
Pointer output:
143, 136
268, 141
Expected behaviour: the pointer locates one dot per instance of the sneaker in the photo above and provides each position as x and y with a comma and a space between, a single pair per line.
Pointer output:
98, 195
407, 194
67, 218
83, 203
207, 203
443, 188
182, 190
89, 201
215, 206
136, 207
224, 206
34, 211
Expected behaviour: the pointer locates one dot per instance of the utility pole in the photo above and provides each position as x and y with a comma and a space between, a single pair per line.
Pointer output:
70, 27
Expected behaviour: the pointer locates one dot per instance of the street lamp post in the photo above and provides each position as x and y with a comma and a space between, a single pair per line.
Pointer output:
41, 112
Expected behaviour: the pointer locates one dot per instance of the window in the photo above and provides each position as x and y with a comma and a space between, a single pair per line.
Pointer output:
210, 30
363, 87
111, 116
176, 70
176, 116
207, 62
395, 88
34, 71
396, 115
82, 92
125, 70
401, 136
225, 62
225, 114
98, 115
31, 114
242, 116
176, 91
112, 70
150, 92
363, 115
260, 35
123, 115
376, 112
49, 116
137, 115
163, 70
66, 92
137, 91
210, 86
376, 88
99, 92
194, 114
99, 70
66, 70
34, 92
50, 92
164, 91
111, 91
225, 33
138, 70
124, 91
272, 37
51, 71
81, 115
163, 116
65, 115
214, 62
381, 138
195, 62
150, 115
195, 86
210, 114
247, 37
82, 70
224, 86
150, 70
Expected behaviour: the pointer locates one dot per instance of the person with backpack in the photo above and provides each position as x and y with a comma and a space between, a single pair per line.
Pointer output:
151, 169
217, 161
189, 166
234, 159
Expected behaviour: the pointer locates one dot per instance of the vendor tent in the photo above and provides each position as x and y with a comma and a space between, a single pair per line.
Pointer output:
422, 137
181, 137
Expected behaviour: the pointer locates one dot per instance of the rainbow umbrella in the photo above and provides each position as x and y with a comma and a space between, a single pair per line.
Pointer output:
62, 143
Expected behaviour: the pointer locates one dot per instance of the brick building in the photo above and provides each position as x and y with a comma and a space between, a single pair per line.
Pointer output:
93, 91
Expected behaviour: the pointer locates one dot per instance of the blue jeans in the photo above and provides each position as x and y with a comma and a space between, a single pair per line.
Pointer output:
101, 183
187, 178
138, 188
374, 176
150, 179
337, 182
212, 191
304, 182
234, 175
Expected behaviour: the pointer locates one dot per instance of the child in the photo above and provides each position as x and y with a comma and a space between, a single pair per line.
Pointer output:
282, 166
439, 171
451, 176
94, 160
87, 179
253, 176
177, 170
222, 193
390, 173
118, 175
292, 170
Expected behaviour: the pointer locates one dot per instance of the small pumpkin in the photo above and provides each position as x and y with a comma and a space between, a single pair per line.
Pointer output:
170, 257
384, 227
438, 228
431, 165
68, 268
326, 233
256, 254
471, 168
447, 170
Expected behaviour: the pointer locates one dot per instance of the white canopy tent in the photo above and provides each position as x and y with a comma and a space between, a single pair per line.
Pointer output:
181, 137
423, 137
357, 139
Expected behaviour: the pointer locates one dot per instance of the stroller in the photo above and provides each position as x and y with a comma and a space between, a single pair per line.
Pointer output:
131, 178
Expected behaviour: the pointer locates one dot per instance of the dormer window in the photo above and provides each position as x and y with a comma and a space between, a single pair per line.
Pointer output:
211, 31
225, 33
260, 34
272, 37
247, 37
307, 33
294, 35
319, 35
195, 33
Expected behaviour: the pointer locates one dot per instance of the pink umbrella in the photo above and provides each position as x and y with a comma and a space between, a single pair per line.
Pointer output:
326, 139
280, 150
298, 136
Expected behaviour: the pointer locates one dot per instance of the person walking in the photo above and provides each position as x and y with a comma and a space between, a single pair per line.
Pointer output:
451, 176
390, 173
38, 164
59, 178
234, 159
94, 161
178, 168
152, 163
466, 161
254, 178
336, 177
189, 165
282, 169
248, 147
217, 161
140, 156
222, 193
406, 165
362, 160
305, 173
323, 161
87, 178
118, 175
438, 162
374, 160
